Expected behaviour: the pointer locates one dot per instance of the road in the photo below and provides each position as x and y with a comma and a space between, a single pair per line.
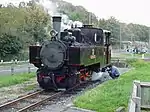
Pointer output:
123, 70
6, 70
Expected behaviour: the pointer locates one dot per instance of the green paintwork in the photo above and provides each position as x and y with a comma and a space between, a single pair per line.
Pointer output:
86, 52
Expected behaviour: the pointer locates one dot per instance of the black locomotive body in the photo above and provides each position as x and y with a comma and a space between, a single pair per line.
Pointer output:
70, 56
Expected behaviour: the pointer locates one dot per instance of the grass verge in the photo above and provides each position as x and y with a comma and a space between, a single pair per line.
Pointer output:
112, 94
15, 79
129, 55
30, 87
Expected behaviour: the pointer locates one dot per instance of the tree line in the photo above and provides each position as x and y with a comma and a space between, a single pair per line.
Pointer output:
24, 25
128, 32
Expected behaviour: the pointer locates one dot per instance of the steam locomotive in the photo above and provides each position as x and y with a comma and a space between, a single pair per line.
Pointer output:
70, 56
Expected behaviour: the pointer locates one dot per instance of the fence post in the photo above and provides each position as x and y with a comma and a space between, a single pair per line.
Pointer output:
2, 61
143, 56
138, 99
16, 62
12, 70
29, 69
118, 62
12, 61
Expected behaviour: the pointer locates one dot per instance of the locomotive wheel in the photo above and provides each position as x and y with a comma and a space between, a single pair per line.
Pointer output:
71, 81
40, 82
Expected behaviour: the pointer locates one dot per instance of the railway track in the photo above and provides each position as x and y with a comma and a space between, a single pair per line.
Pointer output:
30, 101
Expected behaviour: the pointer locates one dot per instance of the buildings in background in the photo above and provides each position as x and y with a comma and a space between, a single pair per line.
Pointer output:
134, 46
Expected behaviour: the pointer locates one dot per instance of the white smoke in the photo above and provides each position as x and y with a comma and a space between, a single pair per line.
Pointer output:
51, 8
78, 23
66, 22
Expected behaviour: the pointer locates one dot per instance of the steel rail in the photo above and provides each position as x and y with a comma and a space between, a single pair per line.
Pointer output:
46, 99
19, 99
35, 104
39, 102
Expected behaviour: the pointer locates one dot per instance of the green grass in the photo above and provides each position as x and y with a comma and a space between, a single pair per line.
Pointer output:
30, 87
112, 94
134, 55
15, 79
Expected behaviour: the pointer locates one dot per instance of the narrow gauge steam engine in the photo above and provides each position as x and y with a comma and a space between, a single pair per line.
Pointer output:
70, 56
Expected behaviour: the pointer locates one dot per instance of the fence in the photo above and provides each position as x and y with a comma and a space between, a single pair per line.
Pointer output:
27, 69
17, 68
13, 62
140, 97
13, 66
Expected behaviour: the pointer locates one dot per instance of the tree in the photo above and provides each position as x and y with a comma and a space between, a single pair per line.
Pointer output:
75, 13
102, 23
9, 45
22, 4
19, 27
11, 42
1, 5
36, 21
113, 25
11, 5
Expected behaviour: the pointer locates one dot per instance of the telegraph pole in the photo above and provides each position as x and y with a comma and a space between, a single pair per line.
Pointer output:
120, 38
89, 17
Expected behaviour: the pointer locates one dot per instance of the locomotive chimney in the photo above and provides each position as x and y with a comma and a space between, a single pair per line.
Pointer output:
57, 24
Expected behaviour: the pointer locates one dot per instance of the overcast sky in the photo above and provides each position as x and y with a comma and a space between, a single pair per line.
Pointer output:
135, 11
